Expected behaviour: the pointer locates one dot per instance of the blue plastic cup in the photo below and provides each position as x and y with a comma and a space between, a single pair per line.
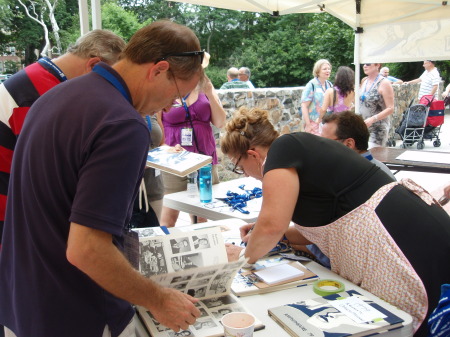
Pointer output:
205, 183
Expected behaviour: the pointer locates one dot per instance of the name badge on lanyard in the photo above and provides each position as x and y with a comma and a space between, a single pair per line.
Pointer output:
186, 137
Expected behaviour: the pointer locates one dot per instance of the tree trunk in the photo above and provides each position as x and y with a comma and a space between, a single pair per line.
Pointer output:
40, 20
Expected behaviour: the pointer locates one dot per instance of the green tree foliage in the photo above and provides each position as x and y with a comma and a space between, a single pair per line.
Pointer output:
281, 51
122, 22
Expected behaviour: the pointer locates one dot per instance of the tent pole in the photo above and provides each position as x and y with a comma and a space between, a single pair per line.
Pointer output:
357, 72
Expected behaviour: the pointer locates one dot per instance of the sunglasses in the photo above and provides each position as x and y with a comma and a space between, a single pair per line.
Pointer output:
367, 64
185, 54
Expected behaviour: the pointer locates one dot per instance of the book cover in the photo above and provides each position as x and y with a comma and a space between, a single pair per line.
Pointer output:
180, 163
246, 282
338, 315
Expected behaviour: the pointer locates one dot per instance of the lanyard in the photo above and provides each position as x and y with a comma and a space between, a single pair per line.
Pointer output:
113, 80
321, 87
365, 88
368, 156
49, 65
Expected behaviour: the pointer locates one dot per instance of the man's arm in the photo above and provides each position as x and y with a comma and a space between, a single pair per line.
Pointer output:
417, 80
93, 252
433, 90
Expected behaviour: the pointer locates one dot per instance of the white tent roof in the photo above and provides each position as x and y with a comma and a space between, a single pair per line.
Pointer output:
393, 30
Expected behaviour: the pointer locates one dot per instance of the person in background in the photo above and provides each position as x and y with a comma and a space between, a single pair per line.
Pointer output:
233, 80
376, 104
350, 129
149, 203
385, 73
429, 80
22, 89
332, 194
446, 91
244, 76
313, 96
341, 96
190, 127
76, 171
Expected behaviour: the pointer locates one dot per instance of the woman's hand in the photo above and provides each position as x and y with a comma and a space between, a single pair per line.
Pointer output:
245, 231
369, 121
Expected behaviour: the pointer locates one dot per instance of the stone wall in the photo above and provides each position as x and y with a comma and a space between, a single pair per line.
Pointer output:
283, 105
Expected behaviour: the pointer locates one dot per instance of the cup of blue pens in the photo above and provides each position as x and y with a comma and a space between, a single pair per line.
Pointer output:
205, 183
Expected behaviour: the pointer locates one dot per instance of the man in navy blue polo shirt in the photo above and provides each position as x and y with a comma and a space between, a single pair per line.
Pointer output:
76, 171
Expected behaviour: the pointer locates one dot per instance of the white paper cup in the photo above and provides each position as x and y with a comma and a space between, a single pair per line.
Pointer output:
239, 324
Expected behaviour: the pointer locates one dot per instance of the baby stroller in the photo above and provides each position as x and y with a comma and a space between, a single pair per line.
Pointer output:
434, 120
412, 126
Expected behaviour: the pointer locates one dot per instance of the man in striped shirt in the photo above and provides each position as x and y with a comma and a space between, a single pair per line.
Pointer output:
20, 91
429, 80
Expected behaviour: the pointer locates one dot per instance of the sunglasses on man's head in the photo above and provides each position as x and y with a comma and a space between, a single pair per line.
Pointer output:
186, 54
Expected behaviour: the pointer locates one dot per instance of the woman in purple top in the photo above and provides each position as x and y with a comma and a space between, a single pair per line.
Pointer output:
204, 108
342, 96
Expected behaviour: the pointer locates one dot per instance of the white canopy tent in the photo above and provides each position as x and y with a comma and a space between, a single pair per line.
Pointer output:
385, 30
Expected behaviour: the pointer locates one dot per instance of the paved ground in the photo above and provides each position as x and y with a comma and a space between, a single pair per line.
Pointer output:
431, 181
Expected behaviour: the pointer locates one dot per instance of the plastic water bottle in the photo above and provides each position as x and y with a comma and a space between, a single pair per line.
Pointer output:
205, 183
192, 187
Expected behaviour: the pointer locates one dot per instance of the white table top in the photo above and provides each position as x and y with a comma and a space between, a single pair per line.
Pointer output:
259, 304
217, 210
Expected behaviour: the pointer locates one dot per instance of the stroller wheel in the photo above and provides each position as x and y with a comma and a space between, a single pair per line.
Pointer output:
437, 143
393, 143
420, 145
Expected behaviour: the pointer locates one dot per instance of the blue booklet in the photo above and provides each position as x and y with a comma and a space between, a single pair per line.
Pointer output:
338, 315
180, 163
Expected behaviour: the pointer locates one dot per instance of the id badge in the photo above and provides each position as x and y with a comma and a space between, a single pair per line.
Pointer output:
186, 137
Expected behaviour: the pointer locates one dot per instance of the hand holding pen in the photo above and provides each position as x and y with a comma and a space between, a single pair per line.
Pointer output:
246, 231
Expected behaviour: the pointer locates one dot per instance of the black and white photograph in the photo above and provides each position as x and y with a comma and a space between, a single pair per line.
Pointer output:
203, 312
180, 286
181, 278
197, 292
222, 312
190, 261
219, 283
206, 273
200, 282
207, 324
143, 232
180, 245
181, 333
152, 260
201, 241
218, 301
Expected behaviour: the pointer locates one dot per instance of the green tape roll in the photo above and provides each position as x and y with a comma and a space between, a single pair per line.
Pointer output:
328, 287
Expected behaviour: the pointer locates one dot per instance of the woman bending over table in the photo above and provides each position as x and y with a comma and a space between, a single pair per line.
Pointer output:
333, 194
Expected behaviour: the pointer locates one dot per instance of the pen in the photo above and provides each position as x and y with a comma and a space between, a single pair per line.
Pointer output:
250, 230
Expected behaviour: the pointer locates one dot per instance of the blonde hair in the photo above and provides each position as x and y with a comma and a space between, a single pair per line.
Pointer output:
318, 65
247, 129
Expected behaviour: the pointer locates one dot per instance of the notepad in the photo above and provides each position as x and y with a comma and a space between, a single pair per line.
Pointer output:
276, 274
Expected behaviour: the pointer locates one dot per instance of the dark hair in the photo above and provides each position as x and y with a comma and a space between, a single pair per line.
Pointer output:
350, 125
345, 80
160, 39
